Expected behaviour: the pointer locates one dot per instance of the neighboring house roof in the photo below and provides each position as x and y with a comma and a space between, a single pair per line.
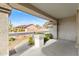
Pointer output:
24, 26
33, 28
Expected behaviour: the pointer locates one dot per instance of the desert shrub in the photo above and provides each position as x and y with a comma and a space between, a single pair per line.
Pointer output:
47, 37
31, 41
11, 39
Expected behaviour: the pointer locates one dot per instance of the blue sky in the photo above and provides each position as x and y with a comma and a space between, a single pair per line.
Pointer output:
22, 18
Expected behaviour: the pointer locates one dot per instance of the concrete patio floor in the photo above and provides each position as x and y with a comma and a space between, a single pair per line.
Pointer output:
58, 48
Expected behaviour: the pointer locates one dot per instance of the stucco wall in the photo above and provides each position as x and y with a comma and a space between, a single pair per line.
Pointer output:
53, 30
67, 28
3, 33
77, 23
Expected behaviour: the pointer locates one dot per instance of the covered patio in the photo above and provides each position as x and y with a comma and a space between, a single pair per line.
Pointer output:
65, 29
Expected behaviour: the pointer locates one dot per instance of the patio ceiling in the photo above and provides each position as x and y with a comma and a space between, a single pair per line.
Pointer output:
57, 10
48, 10
51, 10
28, 8
5, 8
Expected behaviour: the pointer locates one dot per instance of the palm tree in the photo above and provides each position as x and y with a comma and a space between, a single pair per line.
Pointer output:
10, 26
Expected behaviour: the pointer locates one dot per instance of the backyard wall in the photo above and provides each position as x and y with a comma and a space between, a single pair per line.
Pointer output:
67, 28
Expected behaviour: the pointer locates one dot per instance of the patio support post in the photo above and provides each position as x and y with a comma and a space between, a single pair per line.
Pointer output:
4, 13
77, 27
3, 33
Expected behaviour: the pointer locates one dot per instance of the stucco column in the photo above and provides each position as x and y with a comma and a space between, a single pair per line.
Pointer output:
3, 33
77, 27
4, 14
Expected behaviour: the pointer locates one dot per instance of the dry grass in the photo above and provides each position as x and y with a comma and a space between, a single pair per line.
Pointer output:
18, 40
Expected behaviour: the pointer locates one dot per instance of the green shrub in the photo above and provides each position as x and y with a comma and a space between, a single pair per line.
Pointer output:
47, 37
31, 41
12, 39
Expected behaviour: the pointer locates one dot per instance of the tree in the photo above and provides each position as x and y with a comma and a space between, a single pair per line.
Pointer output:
38, 26
46, 25
10, 27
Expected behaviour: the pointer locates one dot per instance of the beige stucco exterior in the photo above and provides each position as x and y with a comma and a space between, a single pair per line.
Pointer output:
67, 28
3, 34
4, 28
77, 27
